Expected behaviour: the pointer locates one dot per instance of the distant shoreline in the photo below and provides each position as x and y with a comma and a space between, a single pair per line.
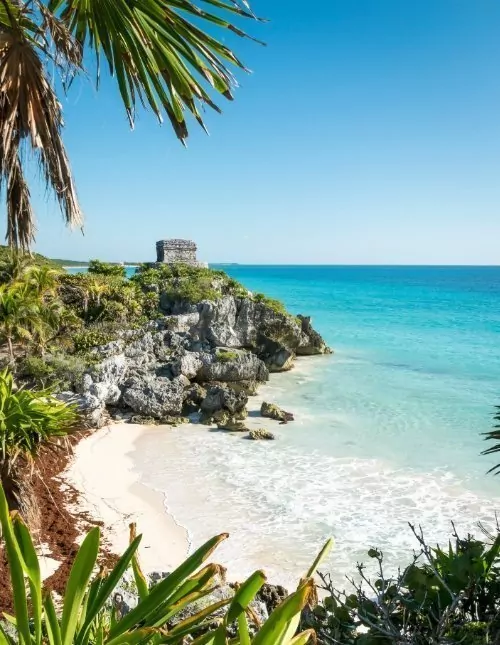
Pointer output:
86, 266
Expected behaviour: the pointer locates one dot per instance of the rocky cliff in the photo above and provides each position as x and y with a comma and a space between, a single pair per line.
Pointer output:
205, 356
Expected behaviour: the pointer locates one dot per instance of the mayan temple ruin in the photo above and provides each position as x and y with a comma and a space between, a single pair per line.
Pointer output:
177, 251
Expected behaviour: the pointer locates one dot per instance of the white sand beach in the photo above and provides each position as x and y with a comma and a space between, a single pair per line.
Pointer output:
110, 490
102, 471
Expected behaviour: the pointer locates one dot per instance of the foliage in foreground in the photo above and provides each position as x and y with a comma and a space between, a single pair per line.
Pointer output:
449, 596
89, 615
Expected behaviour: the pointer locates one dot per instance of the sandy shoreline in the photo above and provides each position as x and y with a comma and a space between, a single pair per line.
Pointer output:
108, 479
103, 472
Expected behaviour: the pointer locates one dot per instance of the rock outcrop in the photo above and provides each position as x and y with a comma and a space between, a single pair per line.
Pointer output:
154, 397
261, 434
273, 411
206, 357
273, 336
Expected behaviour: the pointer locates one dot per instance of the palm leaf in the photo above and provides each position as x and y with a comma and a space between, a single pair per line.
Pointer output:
493, 435
157, 55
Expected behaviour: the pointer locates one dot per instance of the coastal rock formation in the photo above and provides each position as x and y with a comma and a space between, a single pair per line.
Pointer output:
232, 365
154, 397
91, 408
221, 397
203, 356
103, 381
273, 411
235, 323
261, 434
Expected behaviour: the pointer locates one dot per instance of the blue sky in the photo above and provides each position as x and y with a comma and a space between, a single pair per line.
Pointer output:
369, 132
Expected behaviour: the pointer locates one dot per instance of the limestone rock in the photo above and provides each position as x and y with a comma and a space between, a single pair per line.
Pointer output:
103, 380
275, 337
232, 366
312, 342
189, 365
91, 408
154, 397
273, 411
261, 434
193, 397
271, 596
223, 398
232, 424
110, 349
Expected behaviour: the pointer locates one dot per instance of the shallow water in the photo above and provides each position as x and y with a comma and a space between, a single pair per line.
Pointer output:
387, 430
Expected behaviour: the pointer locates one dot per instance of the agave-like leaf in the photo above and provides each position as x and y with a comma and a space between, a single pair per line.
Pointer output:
139, 577
32, 570
166, 588
322, 555
16, 566
78, 580
282, 624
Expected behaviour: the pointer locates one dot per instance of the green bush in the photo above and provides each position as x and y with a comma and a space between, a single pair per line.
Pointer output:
59, 371
447, 595
90, 338
277, 306
105, 268
185, 283
29, 418
37, 369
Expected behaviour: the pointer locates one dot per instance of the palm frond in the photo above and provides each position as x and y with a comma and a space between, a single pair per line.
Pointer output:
157, 55
20, 216
494, 435
30, 112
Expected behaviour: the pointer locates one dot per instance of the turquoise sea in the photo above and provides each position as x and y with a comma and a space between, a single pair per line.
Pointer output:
387, 431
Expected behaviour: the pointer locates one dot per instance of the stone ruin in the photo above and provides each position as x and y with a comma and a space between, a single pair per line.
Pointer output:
177, 251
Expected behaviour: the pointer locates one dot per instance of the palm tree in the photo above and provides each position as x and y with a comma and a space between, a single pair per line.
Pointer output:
20, 316
43, 280
14, 266
157, 51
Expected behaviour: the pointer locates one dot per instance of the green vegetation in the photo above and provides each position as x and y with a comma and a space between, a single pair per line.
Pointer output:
89, 614
105, 268
89, 338
180, 282
447, 596
226, 356
58, 371
494, 435
30, 311
157, 54
277, 306
9, 257
28, 419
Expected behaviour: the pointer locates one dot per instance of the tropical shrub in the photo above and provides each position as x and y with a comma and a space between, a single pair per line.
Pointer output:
447, 596
29, 418
20, 315
276, 305
185, 283
58, 371
89, 338
13, 264
89, 615
105, 268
